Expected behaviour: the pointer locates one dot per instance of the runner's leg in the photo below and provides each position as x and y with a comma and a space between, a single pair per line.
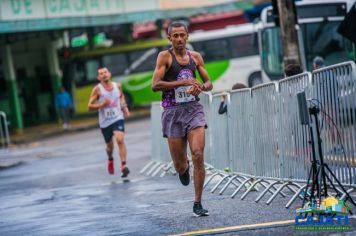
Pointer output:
109, 148
178, 150
196, 139
119, 136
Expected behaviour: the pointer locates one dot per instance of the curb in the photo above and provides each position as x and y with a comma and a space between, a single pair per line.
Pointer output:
10, 165
36, 137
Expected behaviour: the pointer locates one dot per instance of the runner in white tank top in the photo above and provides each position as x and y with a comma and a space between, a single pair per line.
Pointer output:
113, 112
108, 98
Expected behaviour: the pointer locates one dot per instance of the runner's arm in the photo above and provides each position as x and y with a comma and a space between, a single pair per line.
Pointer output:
93, 104
157, 80
207, 85
123, 103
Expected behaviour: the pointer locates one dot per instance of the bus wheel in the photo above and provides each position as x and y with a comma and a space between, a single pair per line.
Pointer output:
254, 79
128, 99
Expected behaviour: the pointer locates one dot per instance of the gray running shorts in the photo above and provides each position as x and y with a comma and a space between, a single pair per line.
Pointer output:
177, 121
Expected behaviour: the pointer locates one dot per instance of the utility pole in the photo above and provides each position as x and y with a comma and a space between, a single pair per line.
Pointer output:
287, 19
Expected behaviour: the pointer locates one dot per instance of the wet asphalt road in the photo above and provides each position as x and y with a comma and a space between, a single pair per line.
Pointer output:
64, 189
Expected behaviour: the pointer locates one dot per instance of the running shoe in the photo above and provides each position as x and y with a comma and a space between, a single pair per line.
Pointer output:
124, 171
198, 210
111, 167
185, 177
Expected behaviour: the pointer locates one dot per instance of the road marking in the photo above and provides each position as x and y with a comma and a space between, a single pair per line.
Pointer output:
249, 226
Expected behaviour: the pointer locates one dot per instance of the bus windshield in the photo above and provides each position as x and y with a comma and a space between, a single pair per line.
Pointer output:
319, 39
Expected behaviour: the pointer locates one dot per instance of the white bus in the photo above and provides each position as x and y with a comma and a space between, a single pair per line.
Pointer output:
317, 36
236, 44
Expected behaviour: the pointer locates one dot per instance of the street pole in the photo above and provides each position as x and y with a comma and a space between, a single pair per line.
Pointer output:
288, 32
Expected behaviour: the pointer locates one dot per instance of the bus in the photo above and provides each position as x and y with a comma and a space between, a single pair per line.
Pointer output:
230, 54
317, 36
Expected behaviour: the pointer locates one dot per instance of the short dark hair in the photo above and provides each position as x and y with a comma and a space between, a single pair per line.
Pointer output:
293, 69
318, 62
238, 86
177, 24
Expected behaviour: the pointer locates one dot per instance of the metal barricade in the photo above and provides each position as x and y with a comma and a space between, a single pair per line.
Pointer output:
241, 141
265, 121
293, 139
334, 89
161, 160
205, 100
4, 131
219, 150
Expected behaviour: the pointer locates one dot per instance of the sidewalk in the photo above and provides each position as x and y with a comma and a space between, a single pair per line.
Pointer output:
35, 133
24, 146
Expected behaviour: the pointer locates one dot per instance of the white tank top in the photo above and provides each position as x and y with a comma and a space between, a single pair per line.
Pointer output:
113, 112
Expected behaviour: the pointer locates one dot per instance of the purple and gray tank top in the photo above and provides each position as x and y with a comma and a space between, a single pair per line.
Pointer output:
177, 96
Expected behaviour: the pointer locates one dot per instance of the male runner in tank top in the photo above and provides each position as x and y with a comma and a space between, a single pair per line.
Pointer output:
183, 118
108, 99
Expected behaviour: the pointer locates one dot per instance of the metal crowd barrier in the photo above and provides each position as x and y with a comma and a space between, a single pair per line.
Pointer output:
335, 90
4, 131
220, 148
293, 139
260, 141
205, 100
240, 130
265, 138
161, 160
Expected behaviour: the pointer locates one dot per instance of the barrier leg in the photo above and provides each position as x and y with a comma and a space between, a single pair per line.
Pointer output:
273, 187
250, 188
238, 189
275, 193
220, 182
161, 167
146, 166
295, 196
265, 191
210, 178
153, 168
227, 184
348, 191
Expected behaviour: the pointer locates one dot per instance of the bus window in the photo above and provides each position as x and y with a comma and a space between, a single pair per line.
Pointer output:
243, 46
272, 52
84, 72
91, 68
78, 73
116, 63
143, 60
322, 39
213, 49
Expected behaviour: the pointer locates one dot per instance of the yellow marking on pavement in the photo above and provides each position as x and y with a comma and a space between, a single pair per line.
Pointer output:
216, 230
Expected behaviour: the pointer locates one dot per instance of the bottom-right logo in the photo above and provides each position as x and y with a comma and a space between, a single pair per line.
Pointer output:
328, 214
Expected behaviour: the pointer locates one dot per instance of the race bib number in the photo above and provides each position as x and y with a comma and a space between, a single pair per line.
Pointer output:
182, 95
111, 113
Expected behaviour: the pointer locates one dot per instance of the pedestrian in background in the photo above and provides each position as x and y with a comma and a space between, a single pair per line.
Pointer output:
183, 119
223, 106
292, 69
64, 106
107, 97
318, 62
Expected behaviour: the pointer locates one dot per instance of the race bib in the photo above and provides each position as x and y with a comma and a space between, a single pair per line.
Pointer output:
182, 95
111, 112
